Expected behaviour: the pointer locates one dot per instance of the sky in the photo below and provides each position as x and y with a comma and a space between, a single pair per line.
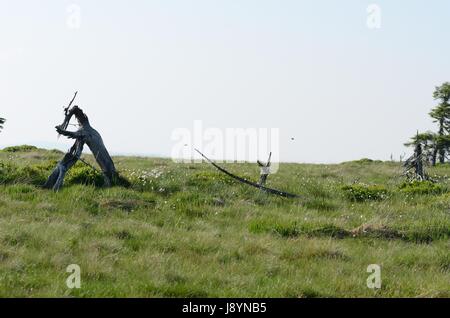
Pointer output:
335, 87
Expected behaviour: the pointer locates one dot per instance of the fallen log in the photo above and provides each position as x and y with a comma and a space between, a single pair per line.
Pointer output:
250, 183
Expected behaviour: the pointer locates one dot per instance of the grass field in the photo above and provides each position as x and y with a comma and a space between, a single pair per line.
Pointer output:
185, 230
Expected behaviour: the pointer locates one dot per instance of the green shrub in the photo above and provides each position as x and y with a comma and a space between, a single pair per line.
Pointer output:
33, 174
363, 192
85, 175
364, 161
7, 173
23, 148
47, 166
421, 187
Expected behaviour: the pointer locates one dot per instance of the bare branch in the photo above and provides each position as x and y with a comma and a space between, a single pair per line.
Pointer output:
66, 110
250, 183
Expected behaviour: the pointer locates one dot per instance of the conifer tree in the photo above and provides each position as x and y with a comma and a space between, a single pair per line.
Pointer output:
441, 116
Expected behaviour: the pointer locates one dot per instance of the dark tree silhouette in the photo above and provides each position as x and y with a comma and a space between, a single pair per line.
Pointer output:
441, 116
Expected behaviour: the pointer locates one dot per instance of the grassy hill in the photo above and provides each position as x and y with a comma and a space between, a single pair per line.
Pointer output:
185, 230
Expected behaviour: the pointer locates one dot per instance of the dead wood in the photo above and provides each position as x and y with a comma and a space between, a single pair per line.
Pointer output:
264, 170
414, 165
250, 183
86, 134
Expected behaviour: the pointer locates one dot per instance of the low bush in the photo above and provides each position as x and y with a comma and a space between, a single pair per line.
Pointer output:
421, 187
363, 192
365, 161
23, 148
33, 174
85, 175
7, 173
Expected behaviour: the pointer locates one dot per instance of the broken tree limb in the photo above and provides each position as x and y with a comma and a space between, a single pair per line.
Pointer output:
70, 104
250, 183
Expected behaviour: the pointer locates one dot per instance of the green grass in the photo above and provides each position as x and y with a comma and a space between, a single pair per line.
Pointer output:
185, 230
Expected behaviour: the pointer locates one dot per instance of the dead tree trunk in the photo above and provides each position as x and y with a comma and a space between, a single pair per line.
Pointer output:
264, 171
56, 179
419, 162
414, 166
84, 135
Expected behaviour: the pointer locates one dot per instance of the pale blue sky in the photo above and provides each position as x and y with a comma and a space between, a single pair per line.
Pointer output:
313, 69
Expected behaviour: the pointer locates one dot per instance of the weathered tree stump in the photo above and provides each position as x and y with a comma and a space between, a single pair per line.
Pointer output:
414, 165
264, 171
84, 135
